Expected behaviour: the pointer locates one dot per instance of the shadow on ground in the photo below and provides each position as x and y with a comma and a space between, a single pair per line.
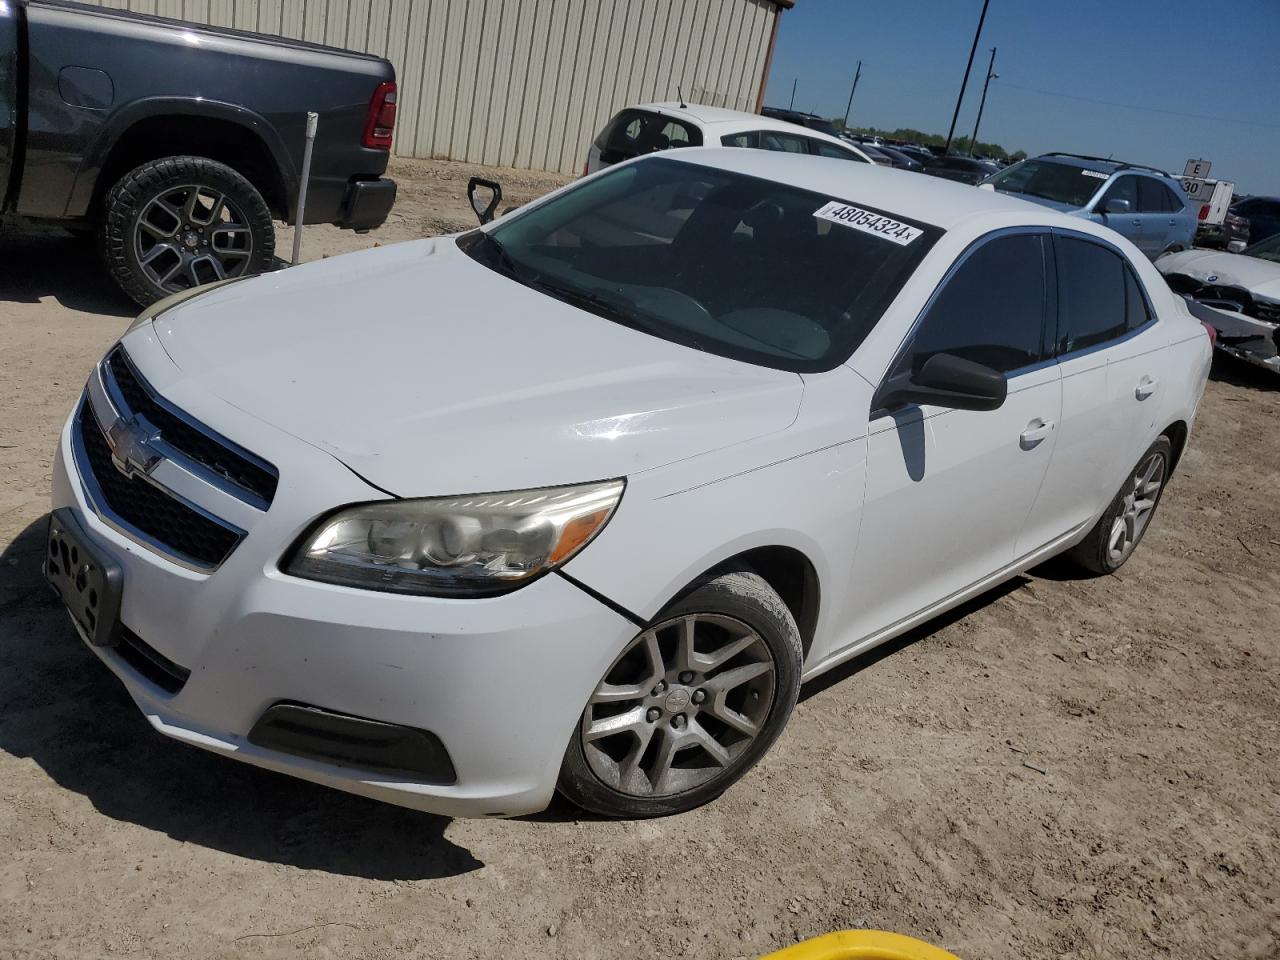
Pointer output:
1238, 373
62, 708
46, 262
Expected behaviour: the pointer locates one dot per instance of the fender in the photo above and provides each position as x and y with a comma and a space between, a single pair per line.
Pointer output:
121, 120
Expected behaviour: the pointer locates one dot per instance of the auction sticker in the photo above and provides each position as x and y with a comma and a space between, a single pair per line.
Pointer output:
881, 226
1096, 174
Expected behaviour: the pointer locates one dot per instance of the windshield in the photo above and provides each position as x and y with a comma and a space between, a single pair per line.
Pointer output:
1268, 249
1050, 180
719, 261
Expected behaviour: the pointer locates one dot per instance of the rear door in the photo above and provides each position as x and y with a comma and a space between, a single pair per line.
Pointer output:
1156, 207
8, 94
1109, 351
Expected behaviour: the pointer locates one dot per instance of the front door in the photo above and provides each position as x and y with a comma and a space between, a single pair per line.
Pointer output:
948, 492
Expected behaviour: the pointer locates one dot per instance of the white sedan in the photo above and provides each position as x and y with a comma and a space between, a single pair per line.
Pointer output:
580, 498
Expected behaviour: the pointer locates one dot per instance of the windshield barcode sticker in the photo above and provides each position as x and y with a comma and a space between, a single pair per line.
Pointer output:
1098, 174
868, 222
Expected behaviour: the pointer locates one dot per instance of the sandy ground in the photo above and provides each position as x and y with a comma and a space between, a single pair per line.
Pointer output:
904, 795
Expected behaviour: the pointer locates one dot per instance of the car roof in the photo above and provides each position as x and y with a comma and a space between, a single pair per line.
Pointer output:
1099, 165
720, 121
911, 195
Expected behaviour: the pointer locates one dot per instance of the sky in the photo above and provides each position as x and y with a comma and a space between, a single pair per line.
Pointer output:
1144, 81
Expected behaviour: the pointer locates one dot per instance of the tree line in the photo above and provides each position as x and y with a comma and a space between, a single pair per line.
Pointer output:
958, 144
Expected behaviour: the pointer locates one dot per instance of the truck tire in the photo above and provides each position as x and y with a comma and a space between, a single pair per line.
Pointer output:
177, 222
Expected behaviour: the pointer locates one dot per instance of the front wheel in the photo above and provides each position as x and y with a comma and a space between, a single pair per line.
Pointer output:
690, 705
179, 222
1117, 534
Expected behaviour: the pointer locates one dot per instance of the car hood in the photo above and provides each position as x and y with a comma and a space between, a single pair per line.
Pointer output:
427, 373
1259, 277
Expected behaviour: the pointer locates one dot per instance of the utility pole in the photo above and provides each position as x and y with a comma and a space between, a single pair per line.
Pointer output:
793, 93
855, 87
991, 75
965, 82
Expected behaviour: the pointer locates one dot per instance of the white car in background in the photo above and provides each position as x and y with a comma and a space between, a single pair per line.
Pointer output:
652, 127
596, 486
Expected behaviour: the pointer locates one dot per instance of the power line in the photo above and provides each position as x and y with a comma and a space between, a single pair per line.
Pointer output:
1144, 109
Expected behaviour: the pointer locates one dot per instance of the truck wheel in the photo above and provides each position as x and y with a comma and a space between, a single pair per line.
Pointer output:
178, 222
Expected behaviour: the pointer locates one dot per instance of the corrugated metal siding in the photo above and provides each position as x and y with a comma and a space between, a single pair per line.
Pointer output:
523, 83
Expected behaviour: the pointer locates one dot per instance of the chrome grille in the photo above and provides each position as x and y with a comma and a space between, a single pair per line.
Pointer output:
246, 473
161, 477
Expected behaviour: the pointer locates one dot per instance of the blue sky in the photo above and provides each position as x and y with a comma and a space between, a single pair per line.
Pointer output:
1209, 65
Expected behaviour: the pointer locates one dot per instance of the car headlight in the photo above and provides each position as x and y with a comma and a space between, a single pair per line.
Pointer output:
168, 303
455, 546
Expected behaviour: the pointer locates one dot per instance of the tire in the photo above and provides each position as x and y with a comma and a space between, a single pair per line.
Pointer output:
1097, 552
164, 229
653, 703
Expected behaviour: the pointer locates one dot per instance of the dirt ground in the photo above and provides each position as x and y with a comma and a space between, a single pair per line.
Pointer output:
1065, 768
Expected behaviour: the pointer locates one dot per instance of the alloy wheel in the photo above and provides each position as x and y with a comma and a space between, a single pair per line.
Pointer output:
681, 704
1136, 508
191, 235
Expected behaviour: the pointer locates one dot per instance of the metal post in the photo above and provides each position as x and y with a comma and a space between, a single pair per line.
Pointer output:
313, 121
965, 82
793, 93
991, 75
856, 75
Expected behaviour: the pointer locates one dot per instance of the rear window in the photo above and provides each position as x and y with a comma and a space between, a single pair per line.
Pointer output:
1050, 180
730, 264
1092, 300
633, 132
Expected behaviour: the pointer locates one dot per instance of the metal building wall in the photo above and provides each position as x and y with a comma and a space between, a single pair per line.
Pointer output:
522, 83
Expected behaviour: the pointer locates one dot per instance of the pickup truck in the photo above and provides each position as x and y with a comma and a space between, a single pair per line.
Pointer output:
177, 146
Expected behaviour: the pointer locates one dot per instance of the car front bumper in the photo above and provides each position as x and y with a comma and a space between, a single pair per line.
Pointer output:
500, 681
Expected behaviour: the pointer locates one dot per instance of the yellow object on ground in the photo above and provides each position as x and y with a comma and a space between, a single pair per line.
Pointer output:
861, 945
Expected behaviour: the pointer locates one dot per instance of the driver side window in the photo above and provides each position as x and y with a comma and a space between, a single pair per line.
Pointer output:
991, 310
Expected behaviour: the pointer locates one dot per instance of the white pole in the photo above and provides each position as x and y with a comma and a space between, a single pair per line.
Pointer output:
313, 121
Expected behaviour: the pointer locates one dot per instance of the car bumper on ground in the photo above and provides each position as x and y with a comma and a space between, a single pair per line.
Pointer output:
496, 684
367, 204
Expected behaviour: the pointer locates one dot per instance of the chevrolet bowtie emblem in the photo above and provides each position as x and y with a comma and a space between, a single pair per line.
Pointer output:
131, 442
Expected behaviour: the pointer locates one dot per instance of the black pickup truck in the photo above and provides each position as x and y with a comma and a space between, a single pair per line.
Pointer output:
176, 145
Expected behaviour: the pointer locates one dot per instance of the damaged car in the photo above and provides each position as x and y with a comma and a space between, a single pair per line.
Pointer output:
1237, 294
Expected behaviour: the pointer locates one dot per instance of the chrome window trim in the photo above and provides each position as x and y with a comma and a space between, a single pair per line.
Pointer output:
98, 502
188, 463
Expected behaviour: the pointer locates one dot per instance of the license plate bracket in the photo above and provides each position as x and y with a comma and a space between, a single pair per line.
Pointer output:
85, 576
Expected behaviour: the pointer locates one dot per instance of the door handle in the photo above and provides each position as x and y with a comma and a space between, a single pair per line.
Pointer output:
1036, 431
1136, 222
1146, 387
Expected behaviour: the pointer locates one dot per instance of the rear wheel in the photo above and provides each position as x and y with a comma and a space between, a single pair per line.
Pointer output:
180, 222
690, 705
1117, 534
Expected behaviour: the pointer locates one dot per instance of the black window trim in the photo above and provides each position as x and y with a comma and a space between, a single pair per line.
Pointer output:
1153, 316
1049, 307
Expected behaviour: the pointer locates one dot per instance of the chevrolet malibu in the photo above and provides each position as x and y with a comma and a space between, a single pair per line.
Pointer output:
579, 499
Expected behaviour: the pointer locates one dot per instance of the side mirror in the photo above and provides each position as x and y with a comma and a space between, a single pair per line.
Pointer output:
485, 195
946, 380
1117, 205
